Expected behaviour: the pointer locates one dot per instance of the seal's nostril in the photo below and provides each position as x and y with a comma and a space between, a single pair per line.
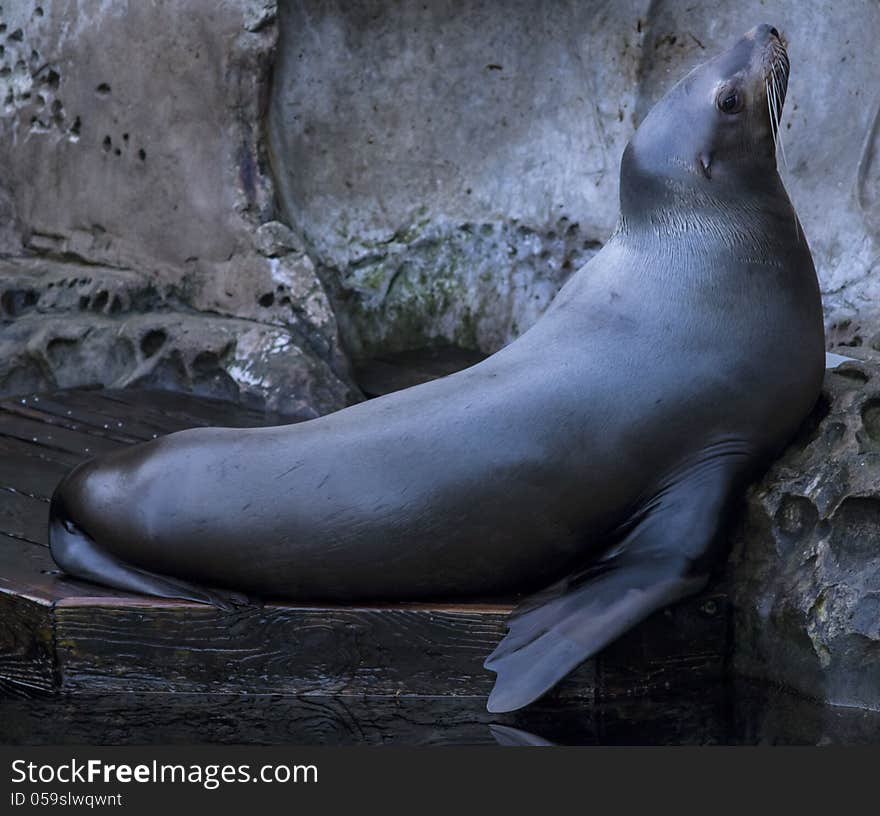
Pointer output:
774, 32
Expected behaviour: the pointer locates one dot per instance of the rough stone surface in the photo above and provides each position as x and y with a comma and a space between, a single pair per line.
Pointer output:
449, 164
805, 567
446, 165
135, 182
69, 324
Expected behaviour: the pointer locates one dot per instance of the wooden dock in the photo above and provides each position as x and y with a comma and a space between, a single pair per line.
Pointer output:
63, 636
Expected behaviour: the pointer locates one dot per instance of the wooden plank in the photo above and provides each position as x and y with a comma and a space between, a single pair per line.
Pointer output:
198, 411
26, 570
54, 437
97, 409
147, 411
289, 650
34, 476
731, 714
121, 719
166, 719
390, 650
23, 516
37, 410
679, 648
27, 651
14, 450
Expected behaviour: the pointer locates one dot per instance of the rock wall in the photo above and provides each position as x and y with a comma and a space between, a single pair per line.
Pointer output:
443, 167
449, 164
136, 227
805, 568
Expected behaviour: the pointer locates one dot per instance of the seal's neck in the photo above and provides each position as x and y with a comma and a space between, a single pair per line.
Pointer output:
745, 220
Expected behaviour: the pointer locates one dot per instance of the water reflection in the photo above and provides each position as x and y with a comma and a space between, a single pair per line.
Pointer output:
739, 713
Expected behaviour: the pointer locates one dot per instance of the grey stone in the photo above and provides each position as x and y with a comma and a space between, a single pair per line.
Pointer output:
68, 324
274, 239
140, 124
449, 164
805, 568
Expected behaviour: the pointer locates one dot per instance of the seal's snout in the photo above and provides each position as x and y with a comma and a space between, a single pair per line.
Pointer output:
776, 71
766, 31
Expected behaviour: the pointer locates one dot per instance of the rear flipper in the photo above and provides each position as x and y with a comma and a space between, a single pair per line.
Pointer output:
78, 555
667, 555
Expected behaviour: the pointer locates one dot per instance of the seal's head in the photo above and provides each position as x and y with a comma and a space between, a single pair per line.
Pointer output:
716, 130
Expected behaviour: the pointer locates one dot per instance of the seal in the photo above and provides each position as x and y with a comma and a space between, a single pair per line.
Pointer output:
594, 460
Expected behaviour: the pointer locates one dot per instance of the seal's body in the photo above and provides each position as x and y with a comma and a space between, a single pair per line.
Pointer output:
605, 444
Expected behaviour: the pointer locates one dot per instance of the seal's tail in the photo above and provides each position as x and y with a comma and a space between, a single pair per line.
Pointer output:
77, 553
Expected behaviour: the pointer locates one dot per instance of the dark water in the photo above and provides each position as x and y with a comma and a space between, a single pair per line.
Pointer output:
741, 714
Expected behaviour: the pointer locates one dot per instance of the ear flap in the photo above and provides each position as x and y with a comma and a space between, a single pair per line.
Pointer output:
705, 160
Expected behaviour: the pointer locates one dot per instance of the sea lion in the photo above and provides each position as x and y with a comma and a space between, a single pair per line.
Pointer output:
603, 447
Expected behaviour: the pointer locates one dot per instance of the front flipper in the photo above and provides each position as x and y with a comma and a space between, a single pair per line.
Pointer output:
667, 555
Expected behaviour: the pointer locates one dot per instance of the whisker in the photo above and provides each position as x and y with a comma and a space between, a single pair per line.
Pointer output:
776, 117
776, 85
770, 114
780, 97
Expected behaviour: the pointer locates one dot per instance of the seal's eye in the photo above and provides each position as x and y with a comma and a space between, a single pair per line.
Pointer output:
729, 102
